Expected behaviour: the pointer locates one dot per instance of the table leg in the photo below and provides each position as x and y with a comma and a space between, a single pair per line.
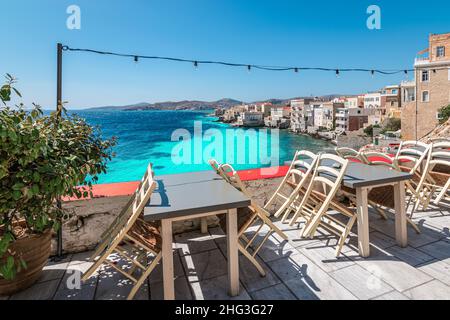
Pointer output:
167, 259
232, 252
401, 232
363, 221
204, 225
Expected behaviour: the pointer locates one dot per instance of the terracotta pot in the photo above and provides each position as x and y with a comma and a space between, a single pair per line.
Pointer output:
35, 251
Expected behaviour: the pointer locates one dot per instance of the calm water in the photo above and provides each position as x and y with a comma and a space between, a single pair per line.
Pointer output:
145, 136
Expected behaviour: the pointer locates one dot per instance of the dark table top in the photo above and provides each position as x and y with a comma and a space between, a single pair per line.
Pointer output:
185, 194
363, 175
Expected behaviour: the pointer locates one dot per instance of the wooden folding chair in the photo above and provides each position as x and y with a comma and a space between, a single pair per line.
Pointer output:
383, 196
247, 218
294, 184
437, 181
412, 157
314, 208
349, 154
131, 238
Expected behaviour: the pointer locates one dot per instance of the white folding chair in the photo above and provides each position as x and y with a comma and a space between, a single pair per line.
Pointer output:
437, 182
383, 196
254, 215
131, 238
412, 157
293, 185
349, 154
315, 205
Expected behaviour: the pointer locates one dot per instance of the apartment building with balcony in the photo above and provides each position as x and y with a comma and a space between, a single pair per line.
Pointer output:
299, 114
391, 101
352, 119
432, 88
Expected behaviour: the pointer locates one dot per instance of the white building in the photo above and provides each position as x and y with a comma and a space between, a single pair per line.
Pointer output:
372, 100
251, 119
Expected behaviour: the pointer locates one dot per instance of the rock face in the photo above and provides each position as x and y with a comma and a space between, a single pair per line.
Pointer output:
441, 131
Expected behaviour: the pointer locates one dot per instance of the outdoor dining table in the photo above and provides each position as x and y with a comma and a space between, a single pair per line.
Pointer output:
195, 195
362, 178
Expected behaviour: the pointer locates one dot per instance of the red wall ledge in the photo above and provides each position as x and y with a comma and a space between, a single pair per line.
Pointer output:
127, 188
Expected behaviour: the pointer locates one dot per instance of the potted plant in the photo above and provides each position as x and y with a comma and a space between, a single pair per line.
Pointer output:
43, 157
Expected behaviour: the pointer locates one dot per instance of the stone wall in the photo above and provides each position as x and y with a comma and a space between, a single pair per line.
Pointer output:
90, 218
353, 139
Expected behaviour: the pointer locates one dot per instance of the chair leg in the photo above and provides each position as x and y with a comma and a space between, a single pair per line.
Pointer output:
378, 210
252, 260
412, 224
442, 193
344, 235
144, 276
278, 231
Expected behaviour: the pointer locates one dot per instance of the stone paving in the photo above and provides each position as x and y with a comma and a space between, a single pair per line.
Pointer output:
296, 269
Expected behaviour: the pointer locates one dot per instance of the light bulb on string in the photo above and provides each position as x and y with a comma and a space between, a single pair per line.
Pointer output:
337, 73
296, 70
195, 64
136, 59
372, 72
249, 67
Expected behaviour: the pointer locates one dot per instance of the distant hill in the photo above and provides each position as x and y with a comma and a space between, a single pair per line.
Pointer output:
196, 104
175, 105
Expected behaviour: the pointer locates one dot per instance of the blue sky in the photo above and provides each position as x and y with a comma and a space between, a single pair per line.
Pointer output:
303, 33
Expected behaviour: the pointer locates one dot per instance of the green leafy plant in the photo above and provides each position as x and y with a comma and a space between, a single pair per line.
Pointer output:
444, 114
369, 130
43, 157
392, 124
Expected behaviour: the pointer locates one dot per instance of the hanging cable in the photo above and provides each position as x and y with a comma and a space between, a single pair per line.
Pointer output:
248, 66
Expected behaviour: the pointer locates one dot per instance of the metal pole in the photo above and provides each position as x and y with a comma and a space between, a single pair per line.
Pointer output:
59, 49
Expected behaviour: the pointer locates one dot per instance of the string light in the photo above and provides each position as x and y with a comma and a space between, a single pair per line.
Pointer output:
248, 66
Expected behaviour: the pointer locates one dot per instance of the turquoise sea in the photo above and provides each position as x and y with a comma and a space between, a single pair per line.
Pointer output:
146, 136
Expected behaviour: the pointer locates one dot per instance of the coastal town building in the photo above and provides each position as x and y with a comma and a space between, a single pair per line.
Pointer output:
250, 119
432, 88
279, 117
352, 119
372, 100
298, 114
391, 101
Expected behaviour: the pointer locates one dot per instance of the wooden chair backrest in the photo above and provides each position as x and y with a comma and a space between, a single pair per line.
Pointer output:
370, 159
349, 153
329, 171
232, 177
414, 152
216, 167
440, 154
